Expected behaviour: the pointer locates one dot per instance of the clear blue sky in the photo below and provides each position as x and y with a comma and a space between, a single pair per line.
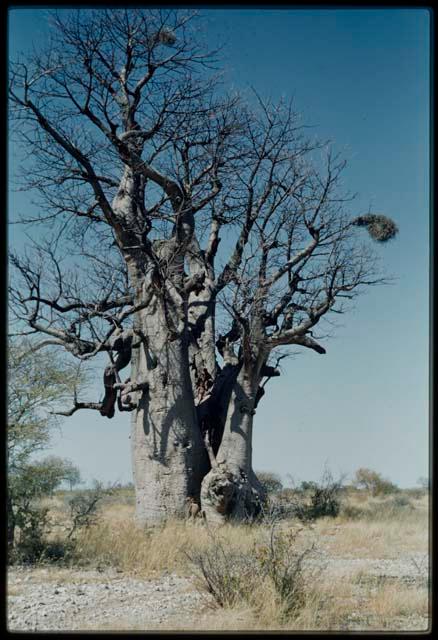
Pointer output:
361, 77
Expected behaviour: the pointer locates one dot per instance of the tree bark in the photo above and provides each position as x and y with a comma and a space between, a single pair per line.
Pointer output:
201, 321
168, 455
231, 489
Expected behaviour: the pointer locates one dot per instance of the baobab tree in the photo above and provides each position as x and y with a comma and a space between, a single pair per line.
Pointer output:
191, 237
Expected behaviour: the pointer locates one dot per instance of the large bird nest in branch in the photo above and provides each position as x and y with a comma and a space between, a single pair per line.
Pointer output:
379, 227
166, 36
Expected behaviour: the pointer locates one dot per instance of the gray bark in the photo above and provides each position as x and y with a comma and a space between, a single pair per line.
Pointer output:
201, 319
231, 488
167, 451
168, 455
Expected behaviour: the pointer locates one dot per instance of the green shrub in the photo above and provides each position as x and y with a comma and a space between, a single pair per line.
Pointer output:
38, 382
27, 518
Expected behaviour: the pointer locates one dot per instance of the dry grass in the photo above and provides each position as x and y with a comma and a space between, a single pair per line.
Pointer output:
330, 608
392, 600
386, 528
368, 528
383, 530
375, 539
118, 542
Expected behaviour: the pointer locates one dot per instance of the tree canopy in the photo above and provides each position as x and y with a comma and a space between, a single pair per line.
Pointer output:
193, 235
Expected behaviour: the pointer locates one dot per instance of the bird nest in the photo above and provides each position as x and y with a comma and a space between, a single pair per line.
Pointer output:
379, 227
167, 37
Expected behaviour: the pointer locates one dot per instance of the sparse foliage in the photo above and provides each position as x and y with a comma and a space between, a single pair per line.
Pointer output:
373, 482
27, 518
308, 485
283, 563
37, 383
232, 576
85, 505
189, 235
271, 481
310, 499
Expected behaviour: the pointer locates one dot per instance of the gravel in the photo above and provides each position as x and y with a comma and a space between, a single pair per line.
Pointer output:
69, 600
52, 599
410, 570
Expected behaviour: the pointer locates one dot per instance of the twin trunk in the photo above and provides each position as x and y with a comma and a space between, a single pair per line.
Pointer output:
170, 461
169, 456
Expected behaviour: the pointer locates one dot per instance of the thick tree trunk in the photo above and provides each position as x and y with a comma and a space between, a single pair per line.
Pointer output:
231, 489
167, 450
168, 455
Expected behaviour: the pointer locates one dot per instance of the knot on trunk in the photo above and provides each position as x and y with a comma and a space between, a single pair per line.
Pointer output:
228, 493
221, 490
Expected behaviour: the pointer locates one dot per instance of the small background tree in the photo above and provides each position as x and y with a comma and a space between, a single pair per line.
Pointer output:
84, 506
373, 482
27, 486
271, 482
37, 383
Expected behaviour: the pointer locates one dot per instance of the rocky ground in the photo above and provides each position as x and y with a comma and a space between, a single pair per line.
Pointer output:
52, 599
49, 599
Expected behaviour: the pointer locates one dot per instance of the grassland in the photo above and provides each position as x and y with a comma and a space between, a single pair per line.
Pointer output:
366, 569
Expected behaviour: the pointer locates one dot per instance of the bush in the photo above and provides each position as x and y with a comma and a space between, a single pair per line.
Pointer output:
325, 497
29, 545
282, 509
401, 501
27, 519
311, 500
271, 482
38, 383
374, 482
232, 576
392, 508
325, 502
228, 574
350, 512
283, 563
308, 485
84, 507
